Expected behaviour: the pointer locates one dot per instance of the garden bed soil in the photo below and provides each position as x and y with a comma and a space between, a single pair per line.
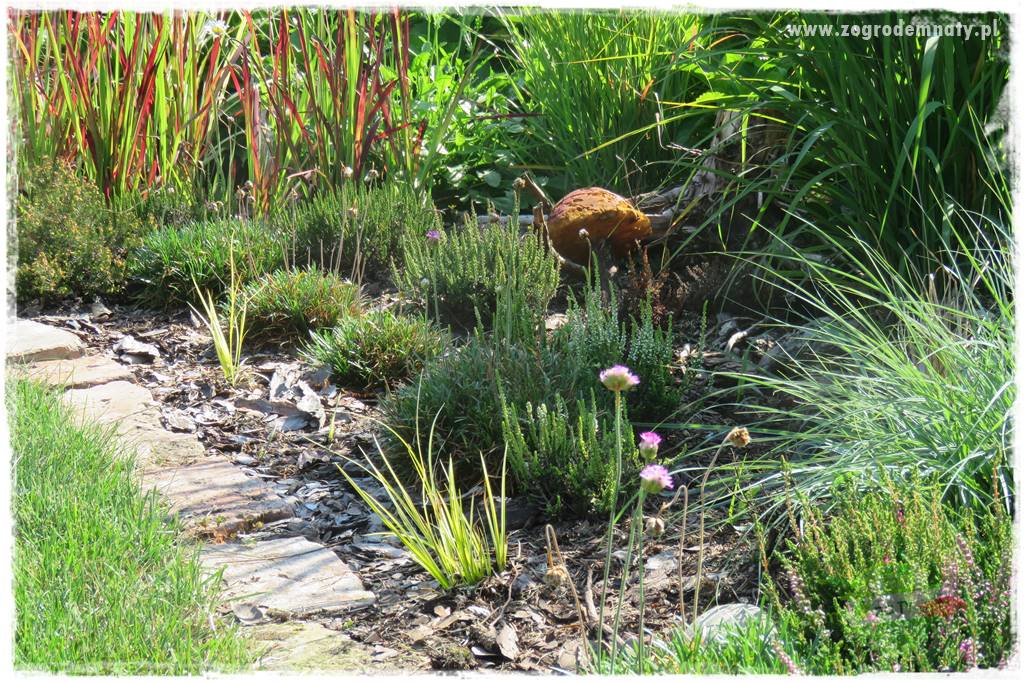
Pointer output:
288, 425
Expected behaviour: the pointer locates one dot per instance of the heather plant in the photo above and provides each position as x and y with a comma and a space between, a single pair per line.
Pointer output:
564, 458
459, 272
895, 580
377, 348
292, 303
172, 263
355, 228
594, 337
69, 243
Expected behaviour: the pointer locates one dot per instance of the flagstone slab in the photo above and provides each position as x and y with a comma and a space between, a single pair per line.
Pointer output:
114, 401
306, 647
215, 497
289, 577
29, 341
78, 373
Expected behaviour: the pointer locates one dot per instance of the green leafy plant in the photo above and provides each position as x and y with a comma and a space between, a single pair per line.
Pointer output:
621, 67
292, 303
454, 545
226, 343
564, 458
459, 272
69, 243
377, 348
172, 261
895, 580
102, 582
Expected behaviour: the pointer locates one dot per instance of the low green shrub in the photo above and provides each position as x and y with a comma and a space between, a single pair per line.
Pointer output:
292, 303
593, 338
459, 272
103, 583
69, 242
566, 459
171, 262
354, 228
896, 581
377, 348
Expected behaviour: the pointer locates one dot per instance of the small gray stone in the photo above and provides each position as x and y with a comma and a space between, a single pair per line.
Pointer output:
29, 341
289, 577
732, 615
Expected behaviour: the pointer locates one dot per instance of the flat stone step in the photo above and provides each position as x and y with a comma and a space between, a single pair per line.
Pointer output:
78, 373
306, 647
287, 577
214, 497
29, 341
113, 401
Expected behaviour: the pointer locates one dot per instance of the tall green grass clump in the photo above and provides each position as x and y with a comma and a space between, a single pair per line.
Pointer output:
595, 76
902, 373
172, 263
101, 583
289, 304
355, 228
459, 273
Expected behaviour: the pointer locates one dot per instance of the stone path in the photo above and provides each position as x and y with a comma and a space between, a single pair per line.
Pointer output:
289, 578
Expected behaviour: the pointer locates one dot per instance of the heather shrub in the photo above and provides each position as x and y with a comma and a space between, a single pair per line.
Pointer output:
69, 243
377, 348
356, 228
896, 581
293, 302
593, 338
459, 272
170, 263
565, 459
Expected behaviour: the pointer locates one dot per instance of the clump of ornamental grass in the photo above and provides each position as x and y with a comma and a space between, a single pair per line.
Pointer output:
895, 580
172, 262
228, 331
458, 273
903, 374
456, 546
292, 303
377, 348
355, 227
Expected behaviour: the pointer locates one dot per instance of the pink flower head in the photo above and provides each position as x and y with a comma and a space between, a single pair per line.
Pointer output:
618, 378
655, 479
649, 444
433, 236
871, 618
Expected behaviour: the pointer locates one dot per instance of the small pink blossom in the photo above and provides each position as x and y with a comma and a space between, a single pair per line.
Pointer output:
618, 378
655, 479
648, 445
433, 236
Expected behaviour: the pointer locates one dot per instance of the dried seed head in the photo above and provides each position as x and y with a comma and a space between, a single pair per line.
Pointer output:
556, 576
739, 437
655, 526
518, 184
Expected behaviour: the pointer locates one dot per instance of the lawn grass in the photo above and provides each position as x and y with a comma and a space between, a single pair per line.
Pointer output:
101, 582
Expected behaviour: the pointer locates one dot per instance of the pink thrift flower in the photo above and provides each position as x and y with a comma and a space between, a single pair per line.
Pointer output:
618, 378
655, 479
433, 236
648, 445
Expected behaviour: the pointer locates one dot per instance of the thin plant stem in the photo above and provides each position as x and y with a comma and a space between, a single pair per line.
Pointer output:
700, 541
611, 515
